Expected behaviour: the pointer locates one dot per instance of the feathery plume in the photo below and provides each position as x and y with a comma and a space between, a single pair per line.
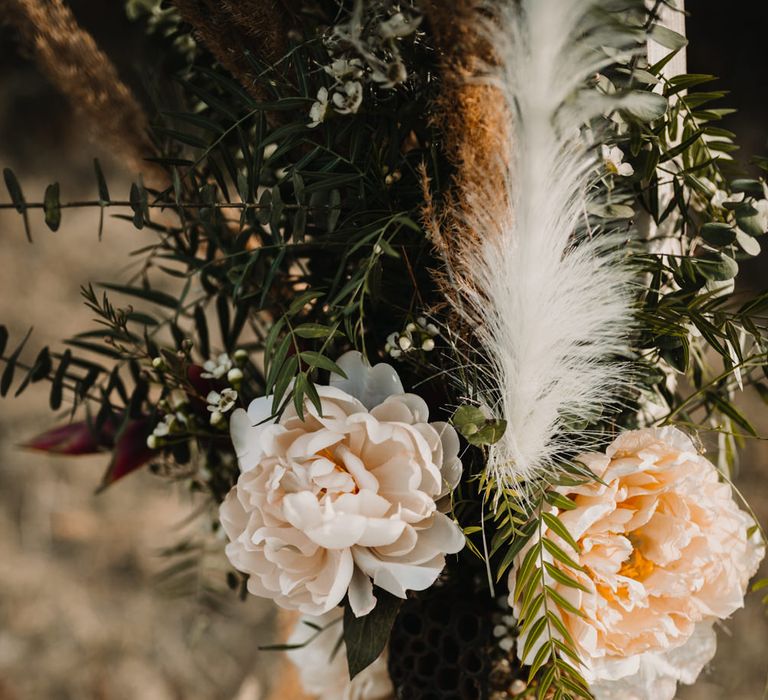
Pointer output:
548, 300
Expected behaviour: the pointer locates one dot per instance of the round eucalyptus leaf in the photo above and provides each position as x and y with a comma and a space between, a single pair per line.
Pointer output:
718, 234
717, 267
747, 243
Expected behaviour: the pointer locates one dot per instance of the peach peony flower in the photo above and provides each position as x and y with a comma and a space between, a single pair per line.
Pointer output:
330, 505
322, 665
665, 551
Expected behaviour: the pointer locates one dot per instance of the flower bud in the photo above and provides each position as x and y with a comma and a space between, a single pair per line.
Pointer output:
235, 376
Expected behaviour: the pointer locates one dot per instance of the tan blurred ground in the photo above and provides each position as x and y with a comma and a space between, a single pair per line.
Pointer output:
81, 616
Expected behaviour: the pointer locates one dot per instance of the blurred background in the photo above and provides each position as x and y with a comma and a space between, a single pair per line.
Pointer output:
83, 614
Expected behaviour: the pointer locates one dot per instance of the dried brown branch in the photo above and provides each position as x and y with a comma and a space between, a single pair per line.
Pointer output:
70, 58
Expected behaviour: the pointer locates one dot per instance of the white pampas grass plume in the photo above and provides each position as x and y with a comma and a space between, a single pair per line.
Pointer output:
549, 298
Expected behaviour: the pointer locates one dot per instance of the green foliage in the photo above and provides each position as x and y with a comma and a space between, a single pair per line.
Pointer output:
366, 637
476, 427
547, 560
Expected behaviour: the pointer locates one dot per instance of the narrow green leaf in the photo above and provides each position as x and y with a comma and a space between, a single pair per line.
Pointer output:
58, 381
562, 578
10, 366
201, 326
153, 295
315, 331
537, 629
556, 525
559, 554
17, 198
316, 360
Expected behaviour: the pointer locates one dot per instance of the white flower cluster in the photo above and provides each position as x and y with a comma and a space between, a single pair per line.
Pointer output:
220, 367
416, 336
220, 403
364, 49
177, 418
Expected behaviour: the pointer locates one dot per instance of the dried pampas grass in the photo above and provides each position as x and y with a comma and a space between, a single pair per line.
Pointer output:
70, 58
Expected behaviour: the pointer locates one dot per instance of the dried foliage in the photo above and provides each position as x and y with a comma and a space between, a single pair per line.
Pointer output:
70, 58
232, 29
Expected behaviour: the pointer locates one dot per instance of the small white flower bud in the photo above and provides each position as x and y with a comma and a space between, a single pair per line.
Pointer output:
411, 327
518, 686
507, 643
240, 356
158, 363
405, 343
216, 417
235, 376
428, 345
152, 442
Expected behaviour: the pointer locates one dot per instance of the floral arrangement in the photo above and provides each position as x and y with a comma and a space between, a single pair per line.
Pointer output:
439, 324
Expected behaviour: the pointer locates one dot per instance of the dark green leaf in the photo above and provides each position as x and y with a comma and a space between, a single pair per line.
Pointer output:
718, 234
201, 325
153, 295
58, 380
10, 366
135, 199
52, 207
365, 637
17, 197
101, 182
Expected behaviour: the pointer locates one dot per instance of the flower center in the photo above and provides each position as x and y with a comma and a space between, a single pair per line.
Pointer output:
338, 466
637, 566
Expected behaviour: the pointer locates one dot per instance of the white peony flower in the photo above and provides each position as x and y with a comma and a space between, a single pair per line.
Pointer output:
322, 665
665, 551
613, 158
329, 506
